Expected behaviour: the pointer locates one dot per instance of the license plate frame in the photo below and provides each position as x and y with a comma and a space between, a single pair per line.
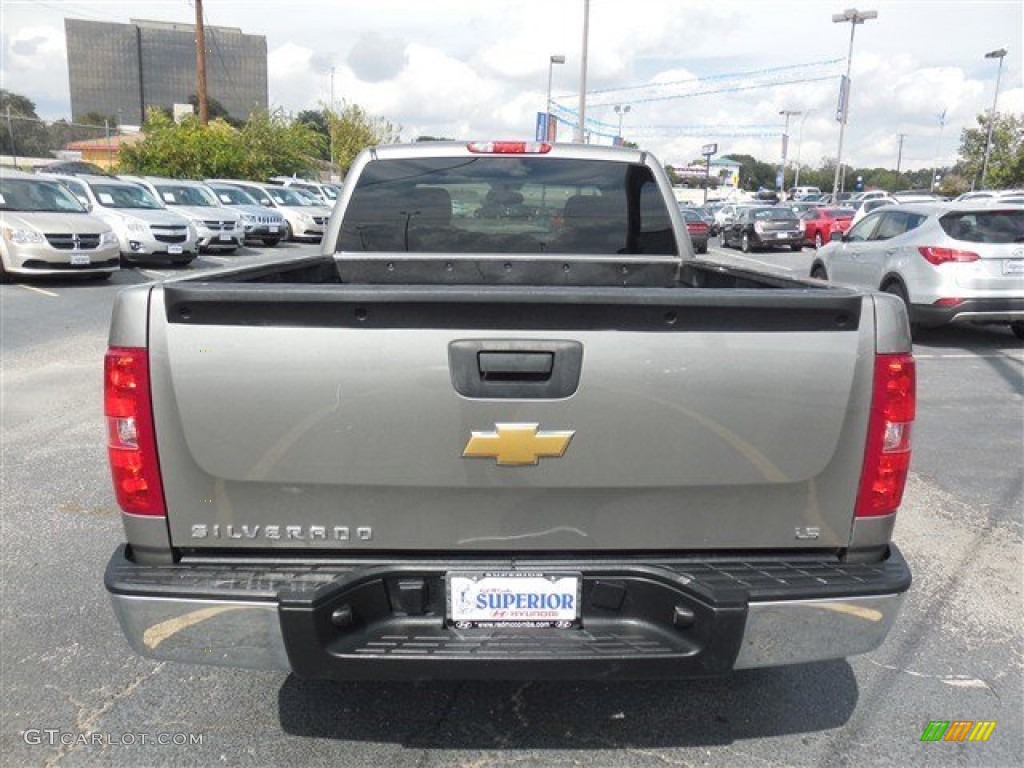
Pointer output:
80, 260
1013, 267
174, 249
513, 599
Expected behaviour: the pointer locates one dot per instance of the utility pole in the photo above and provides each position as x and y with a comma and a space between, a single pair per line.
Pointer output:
204, 112
582, 135
899, 156
10, 132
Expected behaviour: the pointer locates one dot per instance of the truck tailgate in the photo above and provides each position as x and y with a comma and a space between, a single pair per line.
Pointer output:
333, 418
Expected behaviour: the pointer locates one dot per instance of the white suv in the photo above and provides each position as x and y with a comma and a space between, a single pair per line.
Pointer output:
949, 262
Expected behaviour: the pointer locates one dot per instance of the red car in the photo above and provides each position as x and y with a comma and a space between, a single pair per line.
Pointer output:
820, 223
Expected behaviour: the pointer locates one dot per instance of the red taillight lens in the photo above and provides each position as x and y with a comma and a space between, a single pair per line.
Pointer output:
938, 256
696, 227
508, 147
887, 455
131, 443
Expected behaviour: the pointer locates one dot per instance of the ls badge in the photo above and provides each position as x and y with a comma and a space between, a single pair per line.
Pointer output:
517, 445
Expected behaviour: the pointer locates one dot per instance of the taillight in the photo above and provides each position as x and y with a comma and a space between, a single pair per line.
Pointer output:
887, 455
131, 443
697, 227
938, 256
508, 147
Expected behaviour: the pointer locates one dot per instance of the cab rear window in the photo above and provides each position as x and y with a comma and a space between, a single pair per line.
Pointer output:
506, 205
985, 226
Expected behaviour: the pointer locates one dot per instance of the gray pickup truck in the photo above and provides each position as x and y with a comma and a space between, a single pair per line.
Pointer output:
506, 426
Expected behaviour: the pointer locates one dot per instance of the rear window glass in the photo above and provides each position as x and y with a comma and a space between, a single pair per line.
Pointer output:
772, 214
507, 205
985, 226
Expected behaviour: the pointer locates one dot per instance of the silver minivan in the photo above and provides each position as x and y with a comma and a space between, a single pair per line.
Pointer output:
44, 230
146, 230
950, 262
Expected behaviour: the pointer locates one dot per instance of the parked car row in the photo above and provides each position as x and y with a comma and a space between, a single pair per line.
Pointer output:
90, 224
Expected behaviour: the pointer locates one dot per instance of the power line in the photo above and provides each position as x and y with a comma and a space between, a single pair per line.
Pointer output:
710, 78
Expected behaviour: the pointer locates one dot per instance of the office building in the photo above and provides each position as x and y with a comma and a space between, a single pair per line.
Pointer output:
120, 70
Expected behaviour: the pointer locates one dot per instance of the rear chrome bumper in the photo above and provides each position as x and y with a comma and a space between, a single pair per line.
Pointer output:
632, 625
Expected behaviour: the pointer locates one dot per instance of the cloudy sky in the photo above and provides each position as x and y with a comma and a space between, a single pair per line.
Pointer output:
691, 71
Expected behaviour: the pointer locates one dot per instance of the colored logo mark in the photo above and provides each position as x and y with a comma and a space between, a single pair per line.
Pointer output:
958, 730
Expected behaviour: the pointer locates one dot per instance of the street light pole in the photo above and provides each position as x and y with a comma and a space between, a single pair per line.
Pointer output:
788, 113
997, 54
581, 136
555, 58
854, 17
899, 156
621, 112
799, 146
330, 127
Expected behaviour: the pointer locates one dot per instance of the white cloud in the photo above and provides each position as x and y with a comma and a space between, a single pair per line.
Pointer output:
469, 69
35, 65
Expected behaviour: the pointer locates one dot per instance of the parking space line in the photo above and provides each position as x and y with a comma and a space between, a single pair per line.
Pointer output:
38, 290
218, 259
152, 273
769, 264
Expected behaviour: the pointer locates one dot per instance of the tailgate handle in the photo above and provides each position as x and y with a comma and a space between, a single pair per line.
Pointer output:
515, 368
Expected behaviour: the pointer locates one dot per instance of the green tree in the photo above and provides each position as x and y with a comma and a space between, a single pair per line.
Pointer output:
754, 174
317, 120
267, 145
1006, 156
354, 129
61, 132
277, 146
24, 134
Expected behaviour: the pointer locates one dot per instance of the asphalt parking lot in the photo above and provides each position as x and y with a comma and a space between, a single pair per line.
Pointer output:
75, 694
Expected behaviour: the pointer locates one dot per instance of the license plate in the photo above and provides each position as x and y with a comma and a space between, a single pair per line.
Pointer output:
223, 237
80, 259
273, 229
513, 599
1013, 267
174, 249
782, 235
